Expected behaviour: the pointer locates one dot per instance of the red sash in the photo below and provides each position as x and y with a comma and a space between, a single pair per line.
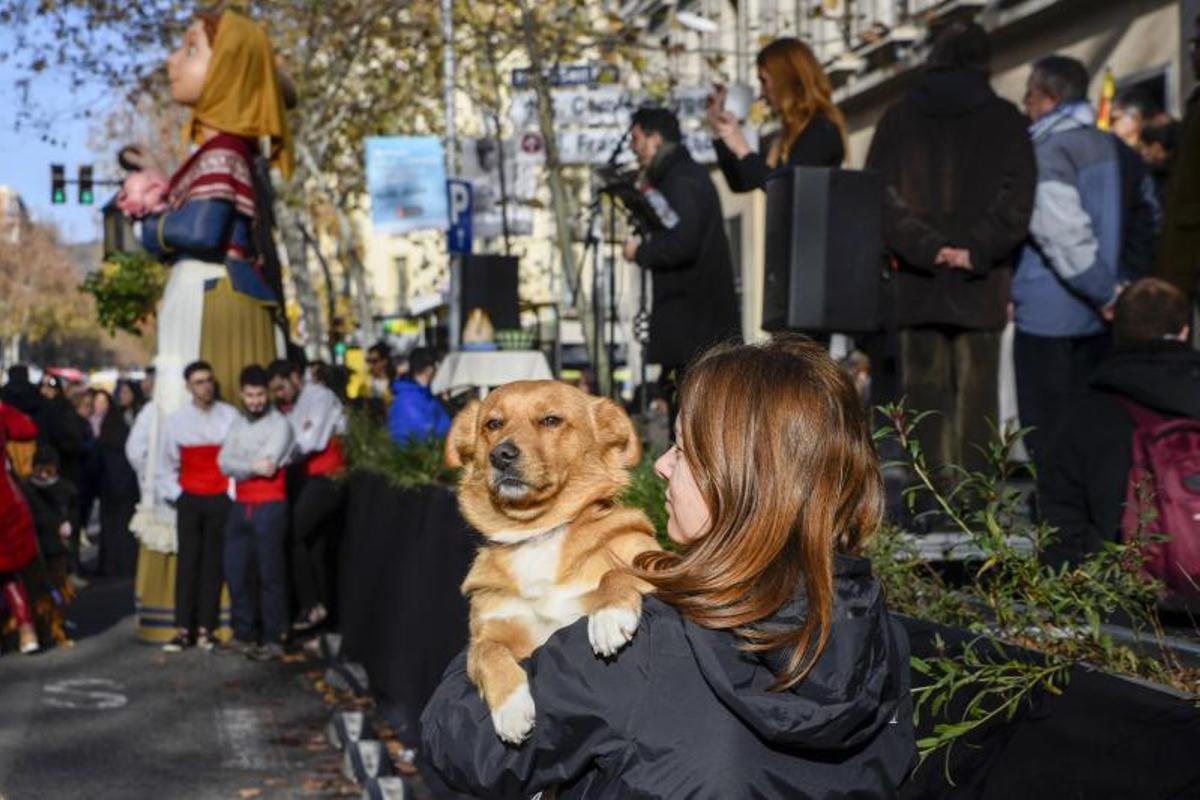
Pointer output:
329, 461
262, 490
198, 470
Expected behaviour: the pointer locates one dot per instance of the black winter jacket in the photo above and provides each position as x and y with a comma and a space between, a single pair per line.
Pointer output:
695, 303
23, 396
960, 172
1081, 485
52, 504
682, 712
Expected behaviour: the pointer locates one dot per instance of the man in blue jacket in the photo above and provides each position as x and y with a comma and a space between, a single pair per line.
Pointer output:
415, 412
1087, 209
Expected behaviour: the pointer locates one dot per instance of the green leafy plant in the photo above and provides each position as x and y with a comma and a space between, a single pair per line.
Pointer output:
648, 492
418, 462
127, 288
1011, 600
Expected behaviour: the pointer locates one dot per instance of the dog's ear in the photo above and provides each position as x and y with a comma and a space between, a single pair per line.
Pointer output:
460, 441
615, 432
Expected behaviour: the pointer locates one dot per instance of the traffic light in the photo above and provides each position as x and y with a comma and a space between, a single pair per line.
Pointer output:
85, 185
58, 184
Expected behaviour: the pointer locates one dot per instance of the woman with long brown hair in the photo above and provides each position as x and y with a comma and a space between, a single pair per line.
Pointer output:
812, 130
766, 663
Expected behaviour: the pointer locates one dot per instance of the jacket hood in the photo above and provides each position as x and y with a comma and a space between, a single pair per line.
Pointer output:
1163, 376
1064, 117
853, 690
951, 92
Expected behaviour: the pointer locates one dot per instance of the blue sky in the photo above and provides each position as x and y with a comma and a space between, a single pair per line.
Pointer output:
25, 158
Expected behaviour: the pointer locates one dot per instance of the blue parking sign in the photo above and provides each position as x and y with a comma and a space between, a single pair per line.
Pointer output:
459, 202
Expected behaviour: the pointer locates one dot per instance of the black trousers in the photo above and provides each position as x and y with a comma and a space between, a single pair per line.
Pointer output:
954, 372
316, 530
1049, 370
198, 572
118, 547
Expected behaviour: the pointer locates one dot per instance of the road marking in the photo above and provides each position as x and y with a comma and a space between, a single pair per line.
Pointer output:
244, 744
85, 694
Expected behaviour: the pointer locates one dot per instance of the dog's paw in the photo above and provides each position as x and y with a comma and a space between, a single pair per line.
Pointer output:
513, 720
610, 629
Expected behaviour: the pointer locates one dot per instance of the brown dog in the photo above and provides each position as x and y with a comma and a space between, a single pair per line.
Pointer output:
543, 465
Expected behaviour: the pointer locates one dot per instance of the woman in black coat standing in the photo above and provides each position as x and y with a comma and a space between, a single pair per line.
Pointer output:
812, 132
118, 484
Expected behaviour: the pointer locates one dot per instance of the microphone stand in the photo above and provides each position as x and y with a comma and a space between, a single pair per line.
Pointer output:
594, 240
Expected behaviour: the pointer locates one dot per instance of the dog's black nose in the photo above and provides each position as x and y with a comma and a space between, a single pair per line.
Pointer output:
504, 454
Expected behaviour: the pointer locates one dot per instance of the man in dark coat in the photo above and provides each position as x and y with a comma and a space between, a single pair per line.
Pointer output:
961, 176
1083, 480
695, 303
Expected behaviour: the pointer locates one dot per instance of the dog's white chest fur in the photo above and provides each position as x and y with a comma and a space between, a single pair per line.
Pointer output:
545, 603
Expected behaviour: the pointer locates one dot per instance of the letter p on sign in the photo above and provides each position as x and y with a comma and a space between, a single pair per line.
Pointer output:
458, 235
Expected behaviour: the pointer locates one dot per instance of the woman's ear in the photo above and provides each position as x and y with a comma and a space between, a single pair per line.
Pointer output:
460, 441
615, 432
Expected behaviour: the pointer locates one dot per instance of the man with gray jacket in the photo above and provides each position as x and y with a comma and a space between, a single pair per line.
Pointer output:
1091, 216
257, 448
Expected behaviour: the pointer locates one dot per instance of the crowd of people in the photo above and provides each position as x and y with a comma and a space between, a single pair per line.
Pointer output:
65, 444
257, 504
1045, 234
254, 492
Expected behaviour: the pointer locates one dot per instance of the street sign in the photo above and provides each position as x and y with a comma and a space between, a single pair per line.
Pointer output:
568, 75
406, 183
459, 203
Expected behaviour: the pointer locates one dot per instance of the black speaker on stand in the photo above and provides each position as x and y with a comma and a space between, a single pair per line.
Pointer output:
490, 282
824, 251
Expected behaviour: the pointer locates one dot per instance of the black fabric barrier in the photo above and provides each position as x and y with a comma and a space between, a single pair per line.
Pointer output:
404, 555
1103, 737
406, 552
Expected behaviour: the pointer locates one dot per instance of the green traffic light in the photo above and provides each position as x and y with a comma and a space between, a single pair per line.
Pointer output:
85, 198
59, 197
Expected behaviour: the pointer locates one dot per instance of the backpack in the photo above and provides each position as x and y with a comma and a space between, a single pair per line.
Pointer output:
1164, 486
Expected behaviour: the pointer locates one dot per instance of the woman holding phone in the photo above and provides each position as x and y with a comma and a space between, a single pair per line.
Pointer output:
813, 132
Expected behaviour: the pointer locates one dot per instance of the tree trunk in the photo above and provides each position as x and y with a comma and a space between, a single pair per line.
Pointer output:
348, 255
347, 251
560, 198
306, 295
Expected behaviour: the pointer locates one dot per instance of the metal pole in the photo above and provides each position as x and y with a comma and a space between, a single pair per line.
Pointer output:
451, 148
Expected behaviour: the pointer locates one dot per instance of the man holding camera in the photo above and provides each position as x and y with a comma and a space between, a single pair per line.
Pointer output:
694, 301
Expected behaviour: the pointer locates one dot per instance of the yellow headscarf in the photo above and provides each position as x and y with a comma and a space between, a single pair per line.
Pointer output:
241, 94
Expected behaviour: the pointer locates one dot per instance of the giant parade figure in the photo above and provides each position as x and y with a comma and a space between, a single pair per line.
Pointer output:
221, 303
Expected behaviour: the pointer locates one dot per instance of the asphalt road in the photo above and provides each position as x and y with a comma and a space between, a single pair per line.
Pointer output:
114, 718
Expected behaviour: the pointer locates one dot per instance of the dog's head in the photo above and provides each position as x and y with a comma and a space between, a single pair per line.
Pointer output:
536, 453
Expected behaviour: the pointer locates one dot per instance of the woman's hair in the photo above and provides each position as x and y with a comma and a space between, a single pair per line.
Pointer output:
781, 449
802, 89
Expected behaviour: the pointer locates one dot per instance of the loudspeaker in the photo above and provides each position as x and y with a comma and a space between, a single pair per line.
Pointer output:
824, 250
490, 282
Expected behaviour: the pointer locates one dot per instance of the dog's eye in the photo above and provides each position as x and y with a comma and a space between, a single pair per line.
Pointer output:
494, 424
551, 421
